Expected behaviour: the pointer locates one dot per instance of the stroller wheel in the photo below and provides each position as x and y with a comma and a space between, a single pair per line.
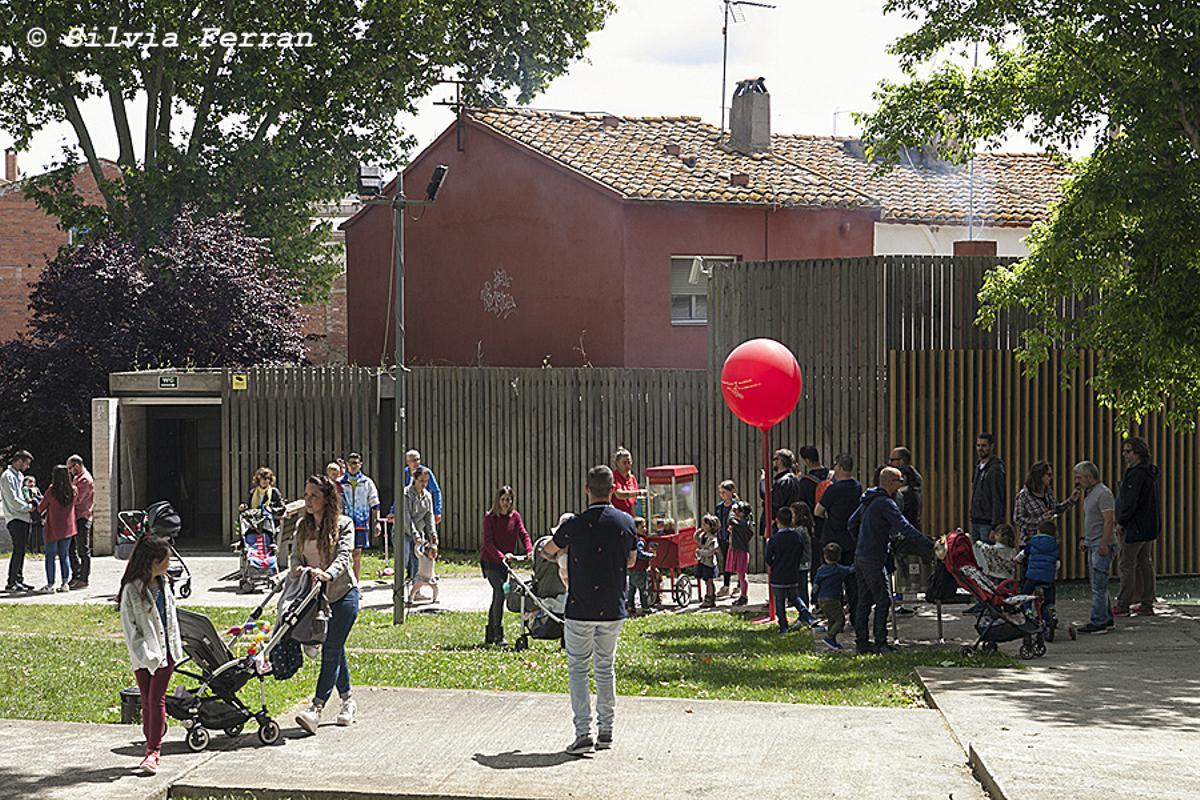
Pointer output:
990, 647
521, 644
245, 587
1027, 651
268, 732
1039, 647
967, 650
197, 738
234, 730
185, 589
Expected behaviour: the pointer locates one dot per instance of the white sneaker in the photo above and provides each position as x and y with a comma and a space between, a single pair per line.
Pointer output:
48, 589
346, 715
310, 650
64, 588
309, 718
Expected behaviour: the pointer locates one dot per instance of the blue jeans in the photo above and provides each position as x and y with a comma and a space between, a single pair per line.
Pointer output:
789, 594
59, 551
873, 590
980, 531
410, 559
334, 668
1099, 568
592, 644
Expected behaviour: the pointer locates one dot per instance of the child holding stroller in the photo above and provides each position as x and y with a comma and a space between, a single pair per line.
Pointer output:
707, 553
741, 531
784, 553
1041, 558
152, 636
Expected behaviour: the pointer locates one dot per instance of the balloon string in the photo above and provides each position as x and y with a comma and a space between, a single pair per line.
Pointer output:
767, 486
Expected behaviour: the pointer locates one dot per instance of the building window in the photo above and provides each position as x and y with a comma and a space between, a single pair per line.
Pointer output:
689, 301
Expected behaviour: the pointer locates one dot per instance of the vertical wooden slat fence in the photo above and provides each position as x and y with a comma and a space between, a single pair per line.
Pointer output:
294, 420
943, 399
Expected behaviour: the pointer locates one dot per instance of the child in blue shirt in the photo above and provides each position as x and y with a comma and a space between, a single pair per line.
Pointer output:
1041, 557
829, 591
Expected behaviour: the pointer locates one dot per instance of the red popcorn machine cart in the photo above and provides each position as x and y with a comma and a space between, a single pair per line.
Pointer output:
671, 521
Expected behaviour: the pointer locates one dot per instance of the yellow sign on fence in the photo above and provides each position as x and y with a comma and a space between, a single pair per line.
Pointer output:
238, 381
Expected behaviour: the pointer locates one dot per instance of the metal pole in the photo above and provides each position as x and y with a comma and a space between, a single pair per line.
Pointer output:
724, 59
402, 524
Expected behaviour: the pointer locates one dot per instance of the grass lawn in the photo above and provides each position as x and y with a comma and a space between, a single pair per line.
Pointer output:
450, 562
68, 662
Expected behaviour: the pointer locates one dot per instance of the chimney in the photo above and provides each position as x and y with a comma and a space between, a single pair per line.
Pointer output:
10, 164
750, 117
975, 247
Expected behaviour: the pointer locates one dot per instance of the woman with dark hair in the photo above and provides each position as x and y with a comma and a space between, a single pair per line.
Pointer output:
1035, 503
59, 508
324, 546
503, 528
151, 635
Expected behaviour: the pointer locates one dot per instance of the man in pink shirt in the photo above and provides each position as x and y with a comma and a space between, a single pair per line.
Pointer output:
81, 543
625, 485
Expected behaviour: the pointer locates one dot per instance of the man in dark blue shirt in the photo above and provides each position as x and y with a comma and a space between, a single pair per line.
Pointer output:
877, 522
601, 545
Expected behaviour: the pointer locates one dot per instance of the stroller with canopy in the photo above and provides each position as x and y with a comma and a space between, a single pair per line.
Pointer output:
540, 601
214, 704
158, 519
1005, 614
257, 549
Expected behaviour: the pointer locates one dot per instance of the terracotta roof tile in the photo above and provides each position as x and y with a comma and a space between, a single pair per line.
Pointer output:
633, 158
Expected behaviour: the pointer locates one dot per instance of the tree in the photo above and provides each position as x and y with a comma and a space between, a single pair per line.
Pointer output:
207, 295
1122, 247
274, 124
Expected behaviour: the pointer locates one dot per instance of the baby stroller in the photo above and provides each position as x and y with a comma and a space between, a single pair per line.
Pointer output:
257, 562
1006, 615
214, 703
158, 519
540, 601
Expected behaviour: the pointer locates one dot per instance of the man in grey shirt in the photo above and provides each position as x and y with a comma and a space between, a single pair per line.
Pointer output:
1099, 515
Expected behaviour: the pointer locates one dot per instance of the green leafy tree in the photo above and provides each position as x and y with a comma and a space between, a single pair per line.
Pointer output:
1122, 248
264, 130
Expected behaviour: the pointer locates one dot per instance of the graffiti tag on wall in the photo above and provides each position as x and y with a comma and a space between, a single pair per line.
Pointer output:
496, 297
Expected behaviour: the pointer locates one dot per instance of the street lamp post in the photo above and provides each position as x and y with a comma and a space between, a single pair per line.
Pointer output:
371, 178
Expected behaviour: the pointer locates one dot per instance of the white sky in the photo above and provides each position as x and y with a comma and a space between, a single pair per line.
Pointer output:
664, 57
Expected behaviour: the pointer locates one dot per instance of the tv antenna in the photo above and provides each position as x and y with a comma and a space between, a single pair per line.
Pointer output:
732, 9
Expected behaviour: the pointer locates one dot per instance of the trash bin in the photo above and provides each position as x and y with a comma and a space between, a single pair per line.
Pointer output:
131, 706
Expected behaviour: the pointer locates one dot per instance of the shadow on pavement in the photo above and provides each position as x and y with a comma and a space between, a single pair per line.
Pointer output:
515, 759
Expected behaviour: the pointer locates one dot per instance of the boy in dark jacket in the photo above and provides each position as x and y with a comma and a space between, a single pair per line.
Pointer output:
828, 588
783, 554
1041, 557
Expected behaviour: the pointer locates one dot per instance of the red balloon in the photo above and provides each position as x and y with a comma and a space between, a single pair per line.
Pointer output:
761, 382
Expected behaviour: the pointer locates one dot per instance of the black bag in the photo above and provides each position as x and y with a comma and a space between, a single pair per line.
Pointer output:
941, 586
286, 659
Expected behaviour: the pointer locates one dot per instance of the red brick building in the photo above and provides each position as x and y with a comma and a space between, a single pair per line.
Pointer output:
569, 237
29, 238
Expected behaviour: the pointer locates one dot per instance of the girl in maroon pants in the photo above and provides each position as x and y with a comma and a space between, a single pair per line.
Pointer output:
152, 636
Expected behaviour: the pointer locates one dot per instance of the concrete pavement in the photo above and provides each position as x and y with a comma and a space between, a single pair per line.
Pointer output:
1114, 715
459, 744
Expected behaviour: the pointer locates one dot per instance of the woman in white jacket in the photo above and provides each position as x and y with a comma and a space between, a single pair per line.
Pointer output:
152, 636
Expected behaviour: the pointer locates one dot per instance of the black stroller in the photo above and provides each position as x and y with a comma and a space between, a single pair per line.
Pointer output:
214, 704
540, 601
158, 519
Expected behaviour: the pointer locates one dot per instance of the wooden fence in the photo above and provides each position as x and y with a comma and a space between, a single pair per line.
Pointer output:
294, 420
942, 399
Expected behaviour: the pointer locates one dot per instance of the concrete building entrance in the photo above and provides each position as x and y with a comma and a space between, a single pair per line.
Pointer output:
183, 456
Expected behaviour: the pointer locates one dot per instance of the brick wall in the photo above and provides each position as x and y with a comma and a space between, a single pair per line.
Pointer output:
28, 239
325, 327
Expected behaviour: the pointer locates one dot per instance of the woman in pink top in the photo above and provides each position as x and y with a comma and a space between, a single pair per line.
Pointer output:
503, 528
59, 507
